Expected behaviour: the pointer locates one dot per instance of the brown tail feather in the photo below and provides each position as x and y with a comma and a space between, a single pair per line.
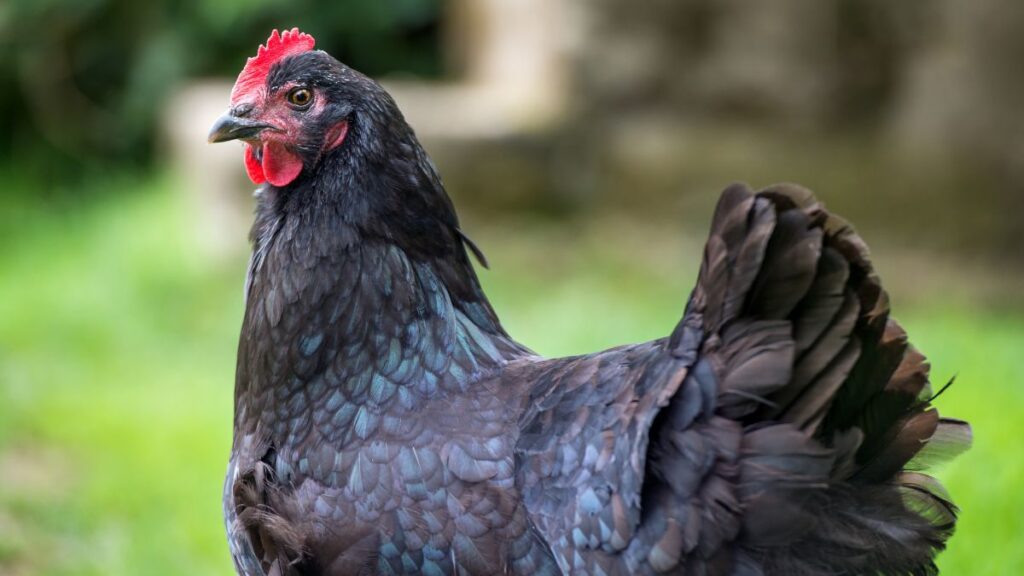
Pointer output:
834, 401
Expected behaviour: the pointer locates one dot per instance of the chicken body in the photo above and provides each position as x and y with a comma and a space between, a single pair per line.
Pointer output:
385, 423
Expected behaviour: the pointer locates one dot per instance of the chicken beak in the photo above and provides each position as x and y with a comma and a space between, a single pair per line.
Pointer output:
232, 127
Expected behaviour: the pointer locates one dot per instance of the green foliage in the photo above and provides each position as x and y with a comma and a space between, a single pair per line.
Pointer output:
83, 82
117, 357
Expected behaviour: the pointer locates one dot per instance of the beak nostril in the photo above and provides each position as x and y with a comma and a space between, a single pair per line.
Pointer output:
242, 110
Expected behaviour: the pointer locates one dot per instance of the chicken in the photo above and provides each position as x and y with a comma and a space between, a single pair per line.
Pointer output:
385, 422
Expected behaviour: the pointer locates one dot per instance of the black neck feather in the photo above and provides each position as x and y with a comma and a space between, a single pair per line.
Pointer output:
359, 274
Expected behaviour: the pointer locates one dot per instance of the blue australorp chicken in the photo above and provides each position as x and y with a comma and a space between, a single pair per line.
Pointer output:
385, 423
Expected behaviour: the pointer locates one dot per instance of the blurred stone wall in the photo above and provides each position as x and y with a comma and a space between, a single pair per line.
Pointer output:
918, 100
891, 109
963, 102
801, 61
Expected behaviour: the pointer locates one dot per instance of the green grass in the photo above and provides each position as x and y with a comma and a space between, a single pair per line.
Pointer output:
117, 346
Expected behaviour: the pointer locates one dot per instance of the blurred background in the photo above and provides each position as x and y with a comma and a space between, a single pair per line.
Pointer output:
584, 141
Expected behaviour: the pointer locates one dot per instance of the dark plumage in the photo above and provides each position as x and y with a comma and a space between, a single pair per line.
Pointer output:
385, 423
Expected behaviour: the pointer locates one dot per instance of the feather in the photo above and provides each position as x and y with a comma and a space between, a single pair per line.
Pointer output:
823, 300
789, 266
950, 439
477, 252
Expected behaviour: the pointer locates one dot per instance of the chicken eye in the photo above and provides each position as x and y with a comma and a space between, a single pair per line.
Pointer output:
300, 97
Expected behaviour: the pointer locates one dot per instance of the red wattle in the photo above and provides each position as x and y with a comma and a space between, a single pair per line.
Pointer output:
253, 167
280, 165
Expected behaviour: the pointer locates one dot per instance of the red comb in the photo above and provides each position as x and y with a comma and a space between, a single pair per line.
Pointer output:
277, 47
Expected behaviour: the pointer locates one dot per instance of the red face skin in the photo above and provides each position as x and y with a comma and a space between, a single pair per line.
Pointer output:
277, 161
